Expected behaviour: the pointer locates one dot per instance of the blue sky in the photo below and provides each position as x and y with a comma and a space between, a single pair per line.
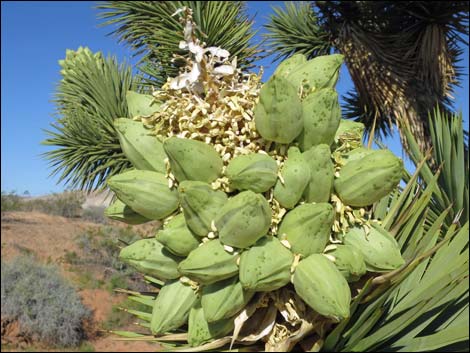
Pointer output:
34, 37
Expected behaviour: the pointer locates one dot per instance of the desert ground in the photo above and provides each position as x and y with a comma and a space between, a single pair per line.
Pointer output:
52, 239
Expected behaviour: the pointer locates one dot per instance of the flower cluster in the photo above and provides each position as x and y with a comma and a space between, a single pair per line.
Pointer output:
211, 100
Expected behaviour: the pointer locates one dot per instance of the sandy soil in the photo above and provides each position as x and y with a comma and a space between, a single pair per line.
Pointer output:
49, 238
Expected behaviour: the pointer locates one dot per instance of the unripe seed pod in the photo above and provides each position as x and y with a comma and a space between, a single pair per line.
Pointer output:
144, 151
119, 211
365, 181
349, 261
278, 114
380, 249
307, 228
321, 115
317, 73
192, 160
200, 331
224, 299
266, 265
296, 176
321, 166
290, 65
256, 172
177, 237
150, 257
356, 155
319, 283
172, 306
200, 205
209, 263
141, 104
244, 219
146, 192
350, 130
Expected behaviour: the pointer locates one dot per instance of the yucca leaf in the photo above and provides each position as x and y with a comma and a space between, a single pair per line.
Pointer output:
146, 300
90, 95
296, 29
450, 151
127, 334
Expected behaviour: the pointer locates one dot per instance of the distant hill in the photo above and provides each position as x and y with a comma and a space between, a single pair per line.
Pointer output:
92, 199
97, 199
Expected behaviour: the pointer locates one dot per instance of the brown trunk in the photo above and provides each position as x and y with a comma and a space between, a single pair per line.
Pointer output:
405, 94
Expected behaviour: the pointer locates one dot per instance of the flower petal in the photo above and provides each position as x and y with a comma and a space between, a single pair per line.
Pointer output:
224, 70
216, 51
185, 80
197, 50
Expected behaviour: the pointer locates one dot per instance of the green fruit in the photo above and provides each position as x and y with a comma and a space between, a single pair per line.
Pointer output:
356, 154
317, 73
141, 104
321, 166
146, 192
321, 115
290, 65
224, 299
319, 283
192, 160
266, 265
144, 151
364, 181
296, 176
350, 130
349, 261
209, 263
172, 306
200, 331
278, 114
380, 249
119, 211
150, 257
256, 172
177, 238
244, 219
307, 228
200, 205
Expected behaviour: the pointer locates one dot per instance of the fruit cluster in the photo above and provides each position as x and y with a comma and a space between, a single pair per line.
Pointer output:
292, 212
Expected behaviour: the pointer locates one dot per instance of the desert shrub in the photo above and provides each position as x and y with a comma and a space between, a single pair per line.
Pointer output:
11, 201
101, 247
71, 257
95, 214
45, 305
66, 204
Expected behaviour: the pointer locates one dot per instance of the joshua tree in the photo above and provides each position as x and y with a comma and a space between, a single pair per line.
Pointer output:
418, 304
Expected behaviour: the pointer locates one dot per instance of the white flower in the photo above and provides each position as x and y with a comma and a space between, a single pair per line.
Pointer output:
196, 50
216, 51
224, 70
187, 79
